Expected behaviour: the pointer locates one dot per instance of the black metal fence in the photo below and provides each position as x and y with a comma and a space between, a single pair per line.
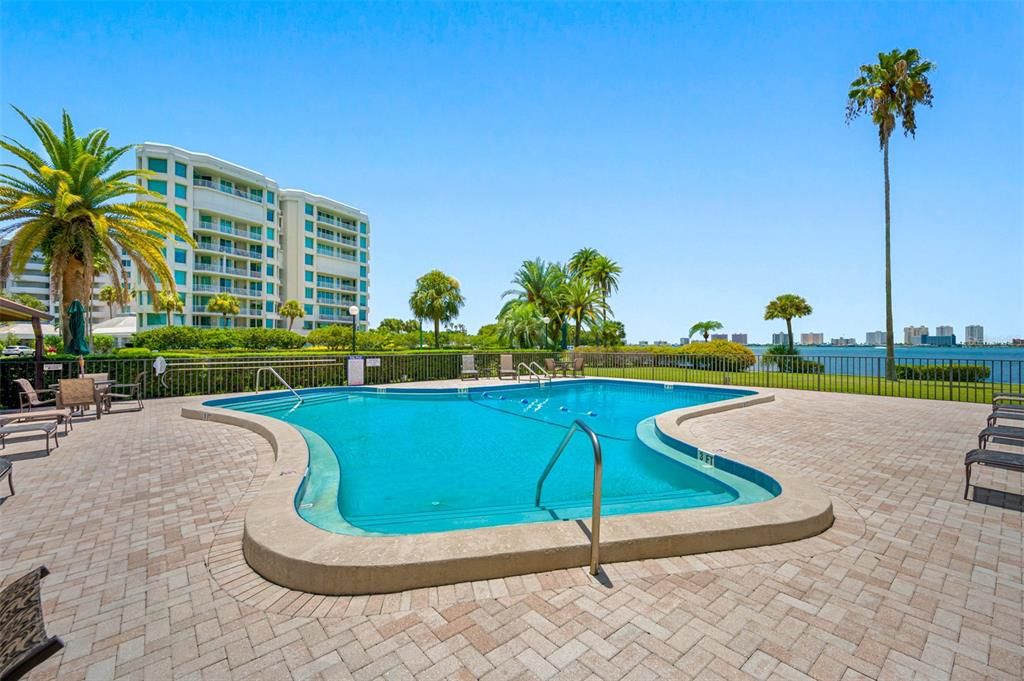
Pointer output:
942, 379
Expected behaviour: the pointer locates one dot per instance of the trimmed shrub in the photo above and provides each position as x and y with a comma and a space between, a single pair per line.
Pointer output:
943, 372
719, 355
783, 360
331, 337
102, 344
133, 353
169, 338
269, 339
192, 338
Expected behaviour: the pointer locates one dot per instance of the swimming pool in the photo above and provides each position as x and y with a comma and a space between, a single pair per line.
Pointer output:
408, 461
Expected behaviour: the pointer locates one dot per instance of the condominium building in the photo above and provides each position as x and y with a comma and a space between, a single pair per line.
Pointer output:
974, 334
719, 336
843, 342
684, 341
780, 339
912, 334
740, 338
35, 281
256, 242
875, 338
943, 330
812, 339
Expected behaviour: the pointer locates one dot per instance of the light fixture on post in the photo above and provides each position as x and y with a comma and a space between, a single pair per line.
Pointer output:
353, 310
546, 320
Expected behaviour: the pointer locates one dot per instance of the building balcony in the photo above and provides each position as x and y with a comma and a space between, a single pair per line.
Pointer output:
244, 312
336, 238
335, 253
233, 231
334, 286
230, 250
234, 191
233, 271
337, 318
328, 220
212, 288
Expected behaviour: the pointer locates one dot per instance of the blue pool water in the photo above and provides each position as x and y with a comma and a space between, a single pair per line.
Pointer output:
402, 461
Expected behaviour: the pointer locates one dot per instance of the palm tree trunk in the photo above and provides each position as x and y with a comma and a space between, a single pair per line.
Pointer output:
705, 336
73, 287
437, 333
789, 333
576, 332
890, 350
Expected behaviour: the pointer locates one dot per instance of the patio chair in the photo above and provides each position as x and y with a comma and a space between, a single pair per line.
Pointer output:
577, 366
469, 369
1003, 435
62, 416
551, 366
23, 639
1004, 413
28, 396
993, 458
506, 369
79, 393
128, 391
7, 471
48, 428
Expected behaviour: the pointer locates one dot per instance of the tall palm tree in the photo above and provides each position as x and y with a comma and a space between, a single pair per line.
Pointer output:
582, 303
520, 325
292, 310
890, 90
109, 295
604, 273
437, 296
169, 302
787, 306
68, 204
705, 328
581, 261
540, 283
225, 304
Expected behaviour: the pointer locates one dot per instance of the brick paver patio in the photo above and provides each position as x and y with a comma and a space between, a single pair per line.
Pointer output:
138, 516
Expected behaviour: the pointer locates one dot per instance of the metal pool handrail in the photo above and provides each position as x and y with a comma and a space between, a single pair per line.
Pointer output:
274, 371
533, 374
595, 517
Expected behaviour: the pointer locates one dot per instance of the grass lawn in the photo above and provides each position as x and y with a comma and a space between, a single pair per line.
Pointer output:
957, 391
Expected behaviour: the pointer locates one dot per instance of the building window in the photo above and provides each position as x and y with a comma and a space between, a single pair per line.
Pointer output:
180, 277
180, 191
362, 256
362, 286
362, 315
270, 251
309, 242
306, 326
362, 300
180, 169
270, 215
158, 186
270, 233
309, 292
180, 255
309, 209
270, 197
154, 319
270, 270
256, 194
308, 308
157, 165
309, 276
309, 225
270, 306
309, 259
226, 186
182, 212
362, 271
362, 242
270, 288
362, 228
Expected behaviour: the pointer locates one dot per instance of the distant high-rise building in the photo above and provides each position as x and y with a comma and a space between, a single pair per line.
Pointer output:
660, 342
780, 339
684, 341
875, 338
938, 341
719, 336
943, 330
974, 334
843, 341
740, 338
812, 339
912, 334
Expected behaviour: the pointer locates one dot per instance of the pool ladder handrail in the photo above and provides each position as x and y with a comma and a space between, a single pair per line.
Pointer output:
595, 517
280, 378
540, 374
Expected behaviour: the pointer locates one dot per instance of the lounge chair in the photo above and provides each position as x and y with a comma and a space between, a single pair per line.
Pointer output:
128, 391
1010, 461
1005, 413
1002, 434
23, 639
29, 397
1008, 397
62, 416
577, 365
49, 428
469, 369
7, 471
506, 369
79, 393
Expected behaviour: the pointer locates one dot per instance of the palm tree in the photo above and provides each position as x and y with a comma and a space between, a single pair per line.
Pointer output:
890, 90
437, 296
69, 205
169, 302
705, 328
581, 261
787, 306
224, 303
583, 305
604, 272
520, 325
110, 296
541, 284
292, 310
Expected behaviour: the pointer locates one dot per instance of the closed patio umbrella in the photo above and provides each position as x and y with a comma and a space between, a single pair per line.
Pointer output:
77, 344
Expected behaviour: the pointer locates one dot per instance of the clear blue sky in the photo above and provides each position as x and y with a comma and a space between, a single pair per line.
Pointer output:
703, 146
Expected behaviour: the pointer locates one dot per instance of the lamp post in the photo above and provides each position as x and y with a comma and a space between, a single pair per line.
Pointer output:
353, 310
546, 320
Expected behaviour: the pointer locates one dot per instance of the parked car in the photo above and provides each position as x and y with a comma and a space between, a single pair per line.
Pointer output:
17, 351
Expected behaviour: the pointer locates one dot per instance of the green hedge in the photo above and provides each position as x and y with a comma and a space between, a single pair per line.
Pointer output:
192, 338
943, 372
718, 355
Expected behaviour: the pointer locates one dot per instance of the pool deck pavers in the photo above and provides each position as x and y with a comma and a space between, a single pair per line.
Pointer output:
138, 516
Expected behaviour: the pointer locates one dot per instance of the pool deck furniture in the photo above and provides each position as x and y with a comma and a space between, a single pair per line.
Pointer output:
1003, 413
62, 416
49, 428
7, 471
469, 369
1003, 434
1008, 397
80, 394
23, 639
992, 458
506, 368
553, 367
29, 397
127, 391
577, 366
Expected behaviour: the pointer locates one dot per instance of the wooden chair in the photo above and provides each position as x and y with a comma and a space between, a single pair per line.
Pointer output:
29, 397
23, 639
